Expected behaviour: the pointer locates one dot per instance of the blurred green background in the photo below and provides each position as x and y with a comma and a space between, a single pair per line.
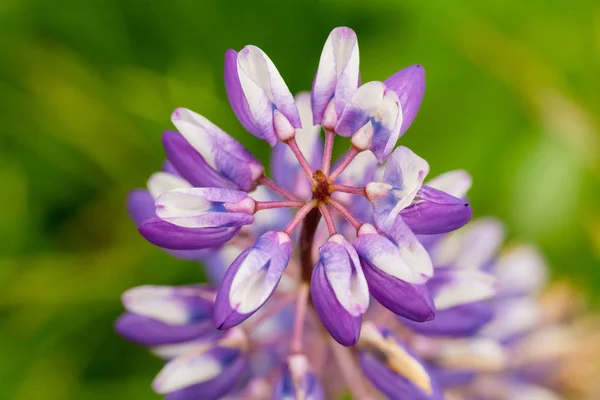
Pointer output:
86, 87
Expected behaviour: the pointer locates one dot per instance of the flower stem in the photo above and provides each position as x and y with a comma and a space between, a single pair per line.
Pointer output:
301, 159
360, 190
328, 220
300, 216
350, 371
329, 137
301, 307
277, 189
307, 236
267, 205
345, 213
353, 152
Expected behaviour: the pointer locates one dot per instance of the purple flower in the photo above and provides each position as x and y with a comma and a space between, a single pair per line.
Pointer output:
283, 276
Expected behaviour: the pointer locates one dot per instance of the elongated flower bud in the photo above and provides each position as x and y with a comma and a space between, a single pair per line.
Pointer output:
339, 290
409, 86
396, 269
259, 96
337, 76
251, 279
205, 208
220, 151
160, 315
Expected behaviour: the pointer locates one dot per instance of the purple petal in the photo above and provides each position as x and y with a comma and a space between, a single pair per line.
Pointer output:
338, 72
393, 369
251, 279
456, 183
140, 205
152, 332
219, 150
164, 234
409, 85
433, 211
298, 381
190, 164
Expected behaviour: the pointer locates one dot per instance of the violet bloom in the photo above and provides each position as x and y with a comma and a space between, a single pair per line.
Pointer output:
300, 285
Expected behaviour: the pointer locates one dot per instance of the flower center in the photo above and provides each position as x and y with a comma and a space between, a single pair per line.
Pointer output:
322, 188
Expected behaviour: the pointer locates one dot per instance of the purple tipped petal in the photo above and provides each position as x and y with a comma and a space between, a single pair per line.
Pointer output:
204, 374
140, 205
285, 169
396, 268
338, 73
393, 369
433, 211
251, 279
219, 150
339, 290
409, 85
298, 382
152, 332
164, 234
190, 164
205, 208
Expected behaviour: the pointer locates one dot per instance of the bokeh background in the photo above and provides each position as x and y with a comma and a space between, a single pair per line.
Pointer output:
86, 87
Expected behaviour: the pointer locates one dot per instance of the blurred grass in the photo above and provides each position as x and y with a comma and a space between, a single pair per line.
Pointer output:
87, 87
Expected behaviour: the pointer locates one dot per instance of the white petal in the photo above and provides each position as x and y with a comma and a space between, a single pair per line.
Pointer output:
467, 286
161, 182
156, 302
185, 371
456, 183
521, 269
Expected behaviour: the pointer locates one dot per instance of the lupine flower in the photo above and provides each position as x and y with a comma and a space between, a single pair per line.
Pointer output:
290, 293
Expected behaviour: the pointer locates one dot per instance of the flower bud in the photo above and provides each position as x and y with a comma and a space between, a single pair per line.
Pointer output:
298, 382
409, 86
259, 96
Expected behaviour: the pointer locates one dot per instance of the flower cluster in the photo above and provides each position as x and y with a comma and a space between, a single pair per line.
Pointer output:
284, 302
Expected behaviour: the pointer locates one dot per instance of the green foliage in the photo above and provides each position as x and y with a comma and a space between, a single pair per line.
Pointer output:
86, 87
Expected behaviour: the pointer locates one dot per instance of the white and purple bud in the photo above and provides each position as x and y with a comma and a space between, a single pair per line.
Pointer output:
207, 372
455, 183
521, 271
337, 77
409, 86
298, 381
339, 290
373, 118
162, 315
206, 208
285, 169
402, 178
181, 242
259, 96
394, 369
461, 302
434, 212
251, 279
190, 164
220, 151
397, 267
